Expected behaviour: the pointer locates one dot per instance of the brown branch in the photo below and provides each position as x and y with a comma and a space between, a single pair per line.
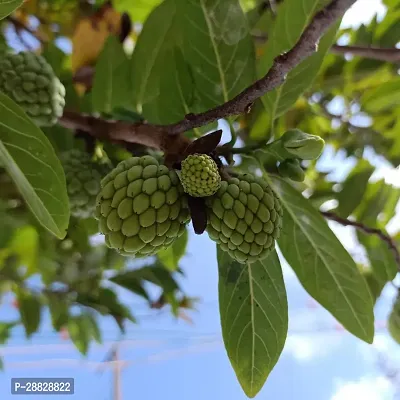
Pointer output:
18, 25
125, 132
375, 53
367, 230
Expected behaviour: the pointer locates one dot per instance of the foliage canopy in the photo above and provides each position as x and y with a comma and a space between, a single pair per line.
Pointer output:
154, 78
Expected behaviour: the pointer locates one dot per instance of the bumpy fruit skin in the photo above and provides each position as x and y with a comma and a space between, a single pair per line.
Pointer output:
83, 181
245, 218
141, 207
200, 176
30, 81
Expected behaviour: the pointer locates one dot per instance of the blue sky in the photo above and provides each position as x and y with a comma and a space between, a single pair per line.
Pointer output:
170, 359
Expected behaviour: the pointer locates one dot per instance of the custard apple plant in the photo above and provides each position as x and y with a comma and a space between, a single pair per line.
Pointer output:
245, 124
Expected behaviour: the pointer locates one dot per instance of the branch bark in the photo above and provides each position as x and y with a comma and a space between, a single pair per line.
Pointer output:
367, 230
391, 55
18, 25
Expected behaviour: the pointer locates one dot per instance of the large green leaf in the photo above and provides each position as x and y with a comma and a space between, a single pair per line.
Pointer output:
111, 80
218, 47
323, 266
254, 317
32, 163
8, 6
175, 90
29, 306
354, 188
171, 256
156, 39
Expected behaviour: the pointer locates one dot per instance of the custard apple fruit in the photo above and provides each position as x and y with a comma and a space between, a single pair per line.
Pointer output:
245, 218
29, 80
141, 207
200, 176
83, 178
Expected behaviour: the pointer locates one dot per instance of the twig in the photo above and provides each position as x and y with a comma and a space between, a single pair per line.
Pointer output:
376, 53
367, 230
20, 25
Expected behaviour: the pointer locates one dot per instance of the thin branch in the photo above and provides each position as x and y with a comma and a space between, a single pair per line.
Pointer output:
375, 53
367, 230
18, 25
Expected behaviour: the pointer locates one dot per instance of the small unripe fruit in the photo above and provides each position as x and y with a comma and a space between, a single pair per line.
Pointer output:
141, 207
29, 80
200, 176
245, 218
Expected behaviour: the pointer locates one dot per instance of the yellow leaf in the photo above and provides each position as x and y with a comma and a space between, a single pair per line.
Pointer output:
90, 35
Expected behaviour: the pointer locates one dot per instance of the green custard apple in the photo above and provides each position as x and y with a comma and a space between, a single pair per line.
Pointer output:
200, 176
29, 80
83, 177
141, 207
245, 218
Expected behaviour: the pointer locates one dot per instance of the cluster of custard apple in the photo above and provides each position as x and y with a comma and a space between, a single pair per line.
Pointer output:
143, 207
29, 80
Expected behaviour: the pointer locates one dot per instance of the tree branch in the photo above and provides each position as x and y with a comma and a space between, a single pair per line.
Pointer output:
18, 25
124, 132
367, 230
375, 53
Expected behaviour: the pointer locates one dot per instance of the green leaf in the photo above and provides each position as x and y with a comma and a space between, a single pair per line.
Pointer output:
254, 317
175, 90
30, 309
218, 47
376, 210
93, 327
32, 163
5, 331
78, 330
278, 101
58, 307
150, 54
323, 266
375, 284
354, 188
111, 78
106, 303
55, 57
170, 256
383, 97
138, 10
8, 6
25, 244
154, 274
